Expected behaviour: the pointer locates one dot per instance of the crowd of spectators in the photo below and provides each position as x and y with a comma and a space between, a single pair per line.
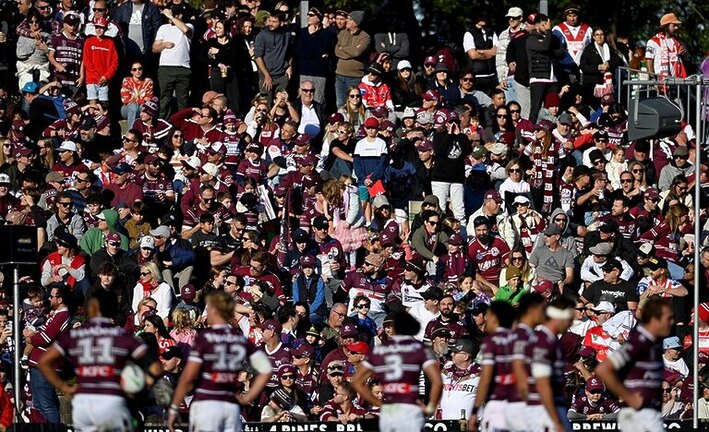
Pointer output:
326, 177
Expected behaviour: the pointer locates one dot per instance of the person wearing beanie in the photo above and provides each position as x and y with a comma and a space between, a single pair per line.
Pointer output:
351, 51
551, 109
512, 291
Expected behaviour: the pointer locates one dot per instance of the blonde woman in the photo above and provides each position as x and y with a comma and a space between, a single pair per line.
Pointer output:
46, 153
151, 284
353, 109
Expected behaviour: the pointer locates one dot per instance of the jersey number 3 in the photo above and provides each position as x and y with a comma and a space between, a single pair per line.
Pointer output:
393, 365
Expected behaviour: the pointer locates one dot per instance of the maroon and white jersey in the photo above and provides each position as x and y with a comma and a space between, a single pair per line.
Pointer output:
220, 351
192, 215
524, 339
153, 187
357, 283
547, 352
152, 132
232, 142
99, 350
606, 405
455, 326
496, 350
489, 259
397, 364
68, 53
309, 381
627, 224
249, 168
640, 366
280, 356
332, 409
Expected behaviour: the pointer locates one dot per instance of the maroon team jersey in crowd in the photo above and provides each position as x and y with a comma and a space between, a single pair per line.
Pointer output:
524, 340
99, 351
488, 259
221, 351
280, 356
606, 405
455, 326
640, 366
332, 409
496, 350
547, 351
153, 187
397, 364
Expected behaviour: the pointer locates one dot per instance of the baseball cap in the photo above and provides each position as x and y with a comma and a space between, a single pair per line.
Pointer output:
431, 95
514, 12
479, 152
681, 151
608, 226
371, 122
520, 199
304, 350
433, 293
416, 264
424, 146
463, 345
147, 242
358, 347
321, 222
546, 125
565, 119
430, 60
113, 237
335, 118
71, 19
604, 307
493, 195
30, 87
375, 259
612, 264
100, 22
602, 248
122, 168
5, 179
440, 331
191, 162
386, 239
336, 367
498, 148
161, 231
67, 146
607, 99
671, 342
273, 325
408, 112
651, 193
431, 199
188, 293
300, 235
594, 384
210, 168
456, 240
645, 250
348, 330
285, 369
403, 64
552, 229
171, 353
657, 263
380, 201
22, 151
307, 261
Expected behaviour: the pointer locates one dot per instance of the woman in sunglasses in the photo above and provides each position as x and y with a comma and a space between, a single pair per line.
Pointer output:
353, 109
429, 241
152, 285
136, 89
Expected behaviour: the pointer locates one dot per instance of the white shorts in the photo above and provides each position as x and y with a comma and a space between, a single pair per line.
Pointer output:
215, 416
400, 417
493, 416
95, 91
100, 413
517, 417
540, 421
645, 420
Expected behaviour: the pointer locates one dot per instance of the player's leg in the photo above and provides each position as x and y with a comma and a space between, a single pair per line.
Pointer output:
401, 418
493, 416
515, 414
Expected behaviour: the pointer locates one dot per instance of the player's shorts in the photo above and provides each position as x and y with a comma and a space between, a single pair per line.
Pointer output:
644, 420
493, 416
215, 416
100, 413
539, 420
400, 417
516, 416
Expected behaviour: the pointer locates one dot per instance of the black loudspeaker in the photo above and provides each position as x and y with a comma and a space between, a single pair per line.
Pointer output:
18, 244
656, 118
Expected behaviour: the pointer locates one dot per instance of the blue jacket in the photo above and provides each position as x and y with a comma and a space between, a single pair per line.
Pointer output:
319, 300
152, 20
180, 257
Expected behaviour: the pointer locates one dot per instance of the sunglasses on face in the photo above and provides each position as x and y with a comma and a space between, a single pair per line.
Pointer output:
515, 111
433, 223
144, 273
515, 170
307, 90
136, 69
362, 306
116, 244
501, 115
355, 96
64, 204
466, 79
626, 180
125, 138
287, 377
637, 171
99, 9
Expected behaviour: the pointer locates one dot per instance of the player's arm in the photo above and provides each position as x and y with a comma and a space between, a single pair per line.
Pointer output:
46, 366
486, 374
189, 375
359, 381
149, 364
433, 373
606, 372
520, 374
262, 364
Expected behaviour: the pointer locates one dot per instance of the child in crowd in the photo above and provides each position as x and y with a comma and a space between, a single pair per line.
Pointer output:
137, 227
34, 314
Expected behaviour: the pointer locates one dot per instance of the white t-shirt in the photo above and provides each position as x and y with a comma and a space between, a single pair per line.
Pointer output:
469, 41
309, 122
423, 316
179, 55
458, 395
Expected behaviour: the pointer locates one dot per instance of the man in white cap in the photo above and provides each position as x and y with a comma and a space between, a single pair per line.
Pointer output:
597, 337
504, 72
663, 51
672, 356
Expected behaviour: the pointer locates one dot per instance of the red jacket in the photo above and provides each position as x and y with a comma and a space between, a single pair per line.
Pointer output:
100, 59
55, 258
6, 409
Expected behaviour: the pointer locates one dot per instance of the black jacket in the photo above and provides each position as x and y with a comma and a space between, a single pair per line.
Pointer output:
542, 51
591, 59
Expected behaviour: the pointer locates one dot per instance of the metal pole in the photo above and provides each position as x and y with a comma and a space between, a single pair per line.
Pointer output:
697, 265
16, 335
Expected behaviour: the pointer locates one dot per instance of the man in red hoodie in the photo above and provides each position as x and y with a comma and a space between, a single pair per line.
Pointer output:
100, 62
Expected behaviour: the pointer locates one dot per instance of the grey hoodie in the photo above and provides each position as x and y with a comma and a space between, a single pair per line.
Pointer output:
567, 240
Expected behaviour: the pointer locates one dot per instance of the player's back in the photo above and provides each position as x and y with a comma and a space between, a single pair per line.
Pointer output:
99, 350
523, 342
398, 363
497, 350
221, 351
